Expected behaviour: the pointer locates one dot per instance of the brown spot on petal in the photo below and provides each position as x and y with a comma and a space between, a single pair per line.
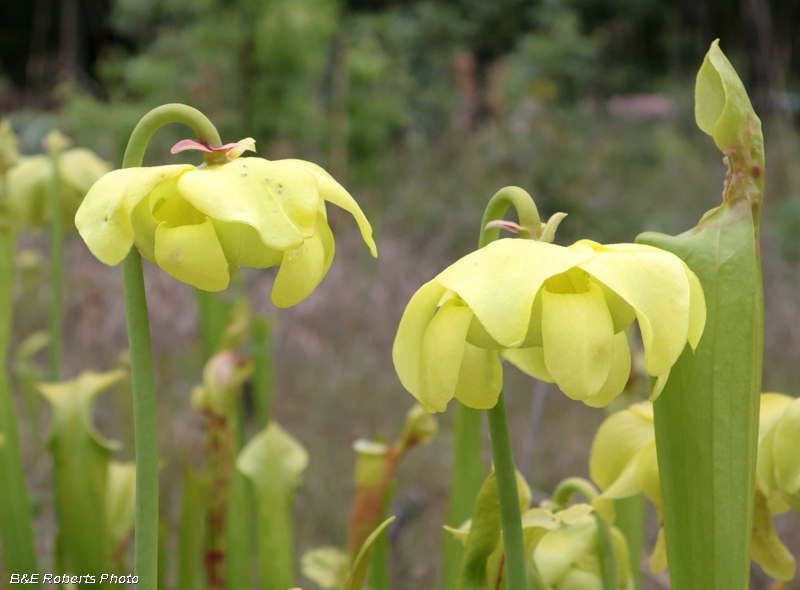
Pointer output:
756, 172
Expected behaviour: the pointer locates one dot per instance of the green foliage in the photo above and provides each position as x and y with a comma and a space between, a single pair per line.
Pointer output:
707, 415
273, 462
81, 458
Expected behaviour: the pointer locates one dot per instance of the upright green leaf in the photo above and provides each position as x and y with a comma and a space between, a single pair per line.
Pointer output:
706, 419
191, 532
16, 534
273, 461
80, 458
359, 570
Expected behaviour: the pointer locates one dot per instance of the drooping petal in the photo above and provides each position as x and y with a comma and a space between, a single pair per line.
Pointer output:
530, 361
647, 474
192, 254
243, 246
104, 218
300, 273
621, 311
618, 375
81, 168
785, 445
442, 353
697, 308
616, 448
658, 560
480, 378
767, 549
655, 284
499, 283
578, 337
410, 333
332, 191
280, 202
772, 408
661, 381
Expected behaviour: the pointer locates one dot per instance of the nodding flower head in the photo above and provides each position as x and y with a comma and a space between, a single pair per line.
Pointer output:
557, 313
201, 223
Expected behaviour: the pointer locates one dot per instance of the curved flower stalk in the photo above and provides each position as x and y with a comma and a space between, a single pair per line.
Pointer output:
201, 223
624, 462
557, 313
29, 184
563, 545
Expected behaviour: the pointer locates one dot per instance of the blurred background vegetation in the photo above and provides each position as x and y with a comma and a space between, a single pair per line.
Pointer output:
423, 109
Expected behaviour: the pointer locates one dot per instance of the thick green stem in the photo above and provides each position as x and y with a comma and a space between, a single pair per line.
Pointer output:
145, 423
506, 474
144, 401
56, 262
467, 470
467, 479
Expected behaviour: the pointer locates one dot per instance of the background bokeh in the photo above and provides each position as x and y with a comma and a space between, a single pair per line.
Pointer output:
422, 109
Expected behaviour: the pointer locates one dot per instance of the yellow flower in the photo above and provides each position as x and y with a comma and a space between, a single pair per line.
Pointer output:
623, 463
201, 223
28, 183
567, 557
557, 313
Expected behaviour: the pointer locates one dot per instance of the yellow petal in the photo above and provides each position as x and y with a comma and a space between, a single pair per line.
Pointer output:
530, 361
301, 271
617, 445
280, 202
442, 352
697, 308
658, 560
408, 341
26, 186
104, 217
621, 311
480, 378
618, 375
767, 549
578, 337
81, 168
661, 381
243, 246
192, 254
647, 474
785, 455
655, 284
499, 283
772, 407
332, 191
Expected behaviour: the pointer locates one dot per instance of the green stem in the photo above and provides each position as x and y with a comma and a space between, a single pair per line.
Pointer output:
498, 205
467, 471
467, 479
145, 423
263, 379
506, 474
567, 489
56, 263
16, 532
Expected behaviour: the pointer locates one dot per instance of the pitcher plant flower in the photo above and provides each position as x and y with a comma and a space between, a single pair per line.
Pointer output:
624, 462
200, 223
29, 181
557, 313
